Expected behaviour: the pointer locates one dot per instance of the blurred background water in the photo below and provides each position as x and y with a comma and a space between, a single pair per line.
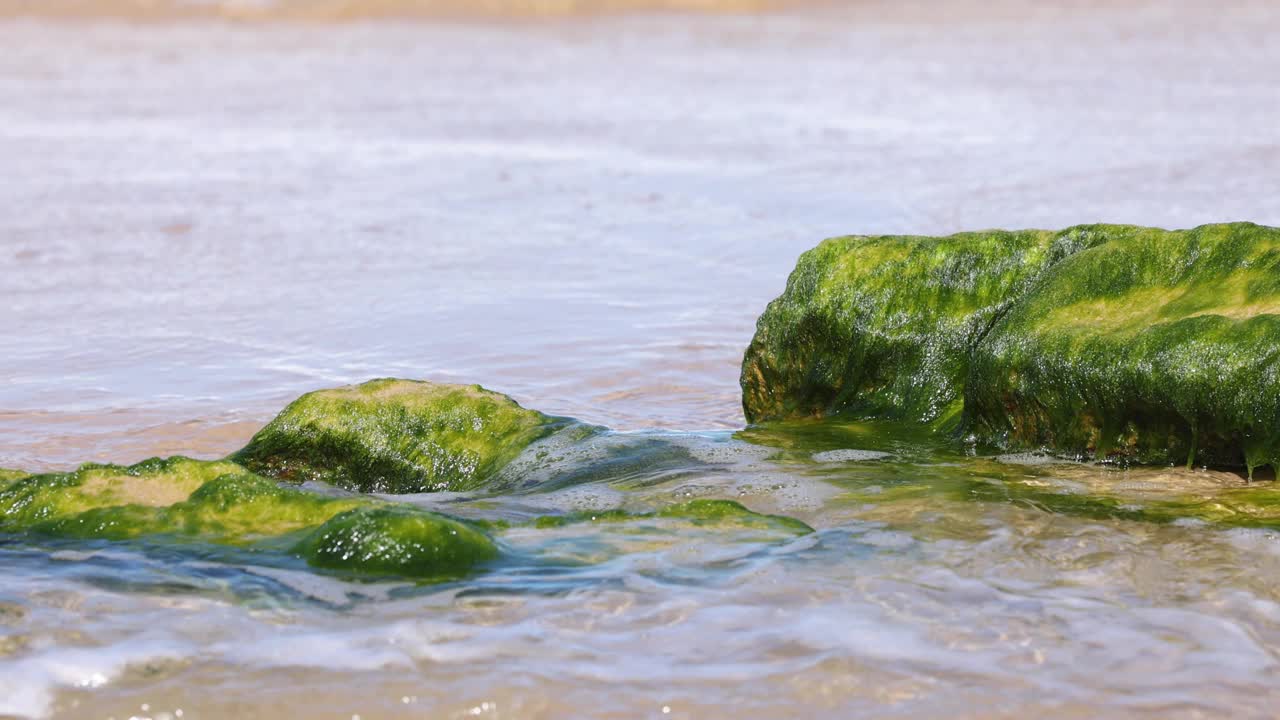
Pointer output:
200, 220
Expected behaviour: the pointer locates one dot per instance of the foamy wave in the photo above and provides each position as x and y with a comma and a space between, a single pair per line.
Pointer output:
336, 10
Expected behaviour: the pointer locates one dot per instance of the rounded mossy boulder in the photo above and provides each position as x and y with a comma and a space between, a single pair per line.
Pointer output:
396, 436
882, 327
1155, 346
397, 540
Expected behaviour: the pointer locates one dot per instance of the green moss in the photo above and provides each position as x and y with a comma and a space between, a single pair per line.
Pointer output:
9, 475
1230, 506
244, 506
881, 327
586, 516
169, 497
729, 512
702, 512
1155, 346
179, 499
151, 483
809, 440
113, 522
397, 540
396, 436
1100, 341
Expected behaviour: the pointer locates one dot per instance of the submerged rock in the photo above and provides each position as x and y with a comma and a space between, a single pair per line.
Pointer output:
1103, 341
397, 436
701, 512
708, 511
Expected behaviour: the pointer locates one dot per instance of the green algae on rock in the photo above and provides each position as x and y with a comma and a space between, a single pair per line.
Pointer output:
702, 512
8, 475
706, 511
152, 483
1100, 341
881, 327
220, 503
213, 501
396, 436
397, 540
1154, 346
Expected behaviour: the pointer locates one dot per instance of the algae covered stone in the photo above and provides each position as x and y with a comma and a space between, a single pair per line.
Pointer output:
882, 326
1153, 346
397, 540
1098, 341
218, 502
397, 436
155, 482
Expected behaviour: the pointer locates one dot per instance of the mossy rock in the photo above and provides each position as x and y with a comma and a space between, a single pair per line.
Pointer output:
184, 500
9, 475
398, 541
882, 326
1100, 341
1154, 347
213, 501
396, 436
152, 483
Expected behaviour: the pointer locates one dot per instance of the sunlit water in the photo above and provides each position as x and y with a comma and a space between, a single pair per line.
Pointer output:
200, 221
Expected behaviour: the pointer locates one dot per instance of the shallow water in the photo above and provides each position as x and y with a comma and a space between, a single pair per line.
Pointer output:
201, 221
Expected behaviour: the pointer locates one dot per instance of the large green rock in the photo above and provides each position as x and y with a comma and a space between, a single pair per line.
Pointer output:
1154, 346
883, 326
1099, 341
396, 436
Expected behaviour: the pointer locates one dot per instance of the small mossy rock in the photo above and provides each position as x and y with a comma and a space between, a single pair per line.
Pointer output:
9, 475
882, 326
214, 501
151, 483
396, 436
398, 541
219, 502
1154, 346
